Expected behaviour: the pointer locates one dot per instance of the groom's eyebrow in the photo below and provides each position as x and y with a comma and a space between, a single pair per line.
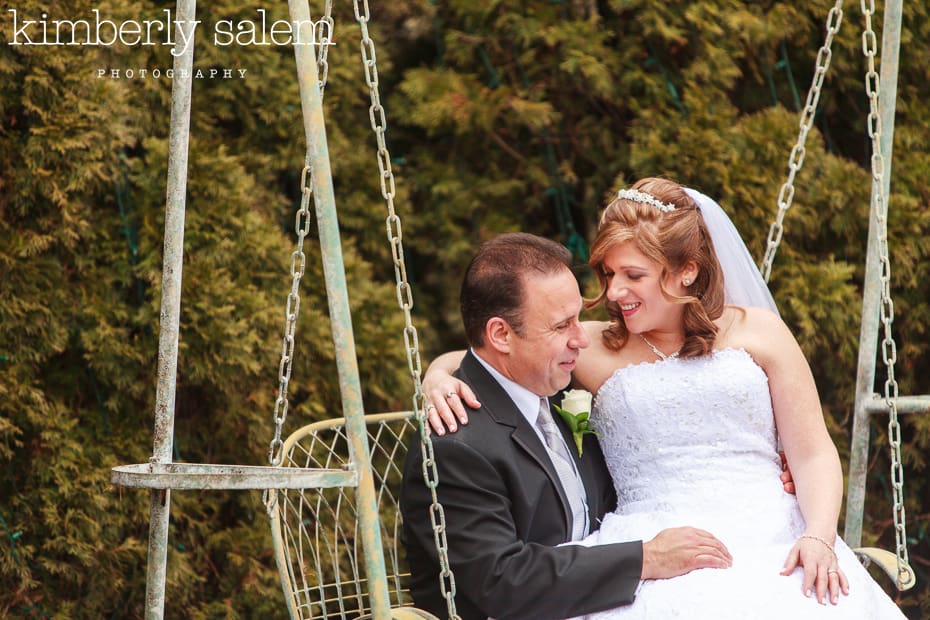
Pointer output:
568, 320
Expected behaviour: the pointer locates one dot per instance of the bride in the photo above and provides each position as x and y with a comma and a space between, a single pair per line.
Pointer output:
694, 380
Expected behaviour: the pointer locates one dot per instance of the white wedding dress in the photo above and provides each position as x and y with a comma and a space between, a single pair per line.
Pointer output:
692, 442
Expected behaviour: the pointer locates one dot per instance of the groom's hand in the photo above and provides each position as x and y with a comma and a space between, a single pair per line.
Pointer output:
680, 550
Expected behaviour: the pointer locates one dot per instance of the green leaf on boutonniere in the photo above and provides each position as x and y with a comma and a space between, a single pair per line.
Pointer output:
579, 425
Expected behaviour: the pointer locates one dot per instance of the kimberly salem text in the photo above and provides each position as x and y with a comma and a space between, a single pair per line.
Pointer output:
144, 73
178, 33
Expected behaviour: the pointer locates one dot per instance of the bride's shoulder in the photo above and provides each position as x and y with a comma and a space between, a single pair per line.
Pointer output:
745, 317
594, 328
759, 332
596, 362
747, 328
596, 347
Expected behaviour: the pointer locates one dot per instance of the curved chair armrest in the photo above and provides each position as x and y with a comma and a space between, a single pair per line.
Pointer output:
888, 562
406, 613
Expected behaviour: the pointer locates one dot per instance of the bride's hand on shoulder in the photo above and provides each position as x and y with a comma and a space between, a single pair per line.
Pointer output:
445, 396
822, 572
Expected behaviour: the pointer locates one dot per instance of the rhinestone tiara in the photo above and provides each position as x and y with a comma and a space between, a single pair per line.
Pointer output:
647, 199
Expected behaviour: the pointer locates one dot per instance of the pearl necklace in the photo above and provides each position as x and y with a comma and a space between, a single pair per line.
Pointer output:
659, 354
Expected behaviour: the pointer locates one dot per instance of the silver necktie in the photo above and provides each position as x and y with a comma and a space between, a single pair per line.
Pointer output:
568, 476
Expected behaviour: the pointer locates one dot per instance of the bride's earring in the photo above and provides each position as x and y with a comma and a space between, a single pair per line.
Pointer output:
686, 281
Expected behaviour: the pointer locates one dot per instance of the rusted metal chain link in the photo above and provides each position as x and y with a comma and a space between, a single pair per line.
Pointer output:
405, 300
298, 260
796, 159
889, 349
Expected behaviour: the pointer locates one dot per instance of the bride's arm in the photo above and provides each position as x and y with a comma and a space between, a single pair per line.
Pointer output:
446, 396
815, 464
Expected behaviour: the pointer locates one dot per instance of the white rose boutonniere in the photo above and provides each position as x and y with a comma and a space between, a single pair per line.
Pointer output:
575, 410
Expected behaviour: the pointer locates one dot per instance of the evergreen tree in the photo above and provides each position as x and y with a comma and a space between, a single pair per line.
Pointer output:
83, 194
501, 116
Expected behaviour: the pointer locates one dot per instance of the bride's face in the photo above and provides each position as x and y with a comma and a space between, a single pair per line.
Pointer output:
633, 282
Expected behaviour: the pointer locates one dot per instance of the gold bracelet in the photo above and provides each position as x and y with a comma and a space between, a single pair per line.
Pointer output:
821, 541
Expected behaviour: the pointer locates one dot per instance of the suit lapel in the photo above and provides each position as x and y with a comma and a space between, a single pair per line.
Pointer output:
526, 438
500, 407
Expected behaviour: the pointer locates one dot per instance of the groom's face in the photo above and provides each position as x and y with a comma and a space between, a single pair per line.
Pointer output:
543, 355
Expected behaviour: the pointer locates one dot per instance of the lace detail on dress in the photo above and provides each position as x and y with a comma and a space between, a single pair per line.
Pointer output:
674, 427
692, 442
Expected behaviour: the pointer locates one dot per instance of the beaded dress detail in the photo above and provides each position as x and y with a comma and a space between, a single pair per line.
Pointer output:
693, 442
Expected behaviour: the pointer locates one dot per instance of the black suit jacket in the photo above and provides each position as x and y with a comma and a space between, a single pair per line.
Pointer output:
505, 512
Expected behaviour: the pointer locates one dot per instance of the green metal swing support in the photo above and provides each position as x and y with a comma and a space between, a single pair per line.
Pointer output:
877, 305
160, 474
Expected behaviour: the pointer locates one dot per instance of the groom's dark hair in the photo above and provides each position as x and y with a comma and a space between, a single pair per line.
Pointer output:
493, 285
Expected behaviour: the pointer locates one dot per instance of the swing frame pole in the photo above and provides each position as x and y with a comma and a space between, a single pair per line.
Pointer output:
871, 299
311, 103
179, 142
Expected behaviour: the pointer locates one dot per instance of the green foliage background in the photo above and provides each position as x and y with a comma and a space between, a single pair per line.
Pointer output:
502, 115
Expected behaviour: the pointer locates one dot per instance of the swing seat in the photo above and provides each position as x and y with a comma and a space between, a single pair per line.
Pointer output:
888, 562
318, 547
405, 613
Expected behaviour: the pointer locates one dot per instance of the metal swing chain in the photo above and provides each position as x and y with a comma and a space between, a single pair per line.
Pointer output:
298, 267
889, 349
405, 299
796, 159
324, 39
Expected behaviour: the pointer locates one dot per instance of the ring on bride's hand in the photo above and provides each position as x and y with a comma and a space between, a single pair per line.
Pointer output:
450, 393
430, 407
832, 571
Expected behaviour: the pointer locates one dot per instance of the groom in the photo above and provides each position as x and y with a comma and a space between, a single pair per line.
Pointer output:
511, 491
